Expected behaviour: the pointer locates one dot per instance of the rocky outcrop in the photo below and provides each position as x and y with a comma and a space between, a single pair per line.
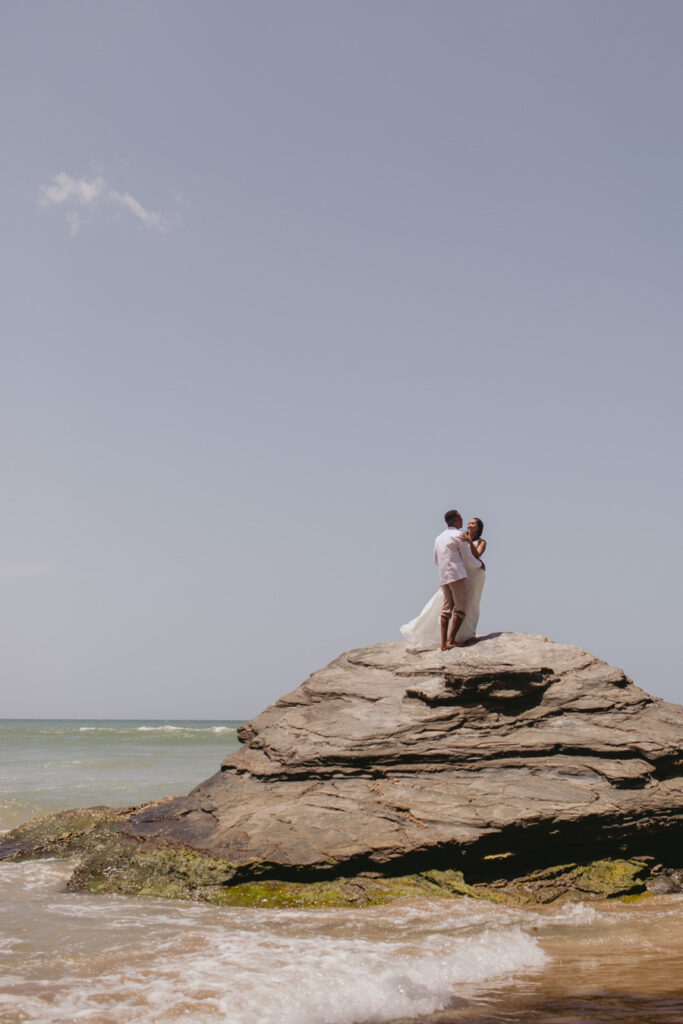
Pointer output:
385, 760
489, 762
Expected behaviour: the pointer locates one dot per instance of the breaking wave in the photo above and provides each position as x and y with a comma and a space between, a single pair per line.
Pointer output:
112, 958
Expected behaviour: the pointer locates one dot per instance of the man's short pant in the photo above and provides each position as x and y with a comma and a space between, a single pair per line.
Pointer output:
454, 598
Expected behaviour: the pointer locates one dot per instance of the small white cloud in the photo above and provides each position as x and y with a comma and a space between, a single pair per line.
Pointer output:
66, 189
77, 195
148, 217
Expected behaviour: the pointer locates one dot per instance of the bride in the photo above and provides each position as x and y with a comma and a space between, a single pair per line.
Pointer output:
423, 633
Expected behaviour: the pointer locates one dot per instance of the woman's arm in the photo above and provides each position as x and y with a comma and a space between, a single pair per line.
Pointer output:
477, 547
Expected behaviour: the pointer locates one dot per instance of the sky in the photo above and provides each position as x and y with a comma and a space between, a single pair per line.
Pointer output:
280, 284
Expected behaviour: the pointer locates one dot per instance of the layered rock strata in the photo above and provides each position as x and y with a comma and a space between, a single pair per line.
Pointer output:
385, 760
493, 761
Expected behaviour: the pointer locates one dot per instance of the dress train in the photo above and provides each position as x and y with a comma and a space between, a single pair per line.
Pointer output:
423, 633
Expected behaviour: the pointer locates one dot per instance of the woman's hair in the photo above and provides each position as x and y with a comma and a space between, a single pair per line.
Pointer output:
480, 526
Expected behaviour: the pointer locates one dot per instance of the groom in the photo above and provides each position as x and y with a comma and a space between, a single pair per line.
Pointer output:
453, 578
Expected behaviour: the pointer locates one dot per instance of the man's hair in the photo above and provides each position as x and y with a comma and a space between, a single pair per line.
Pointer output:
452, 517
480, 527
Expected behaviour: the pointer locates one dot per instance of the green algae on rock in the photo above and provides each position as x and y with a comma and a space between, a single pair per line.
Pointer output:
600, 879
177, 874
111, 864
180, 874
64, 833
167, 872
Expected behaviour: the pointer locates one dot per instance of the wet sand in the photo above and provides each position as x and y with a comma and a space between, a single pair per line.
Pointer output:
626, 968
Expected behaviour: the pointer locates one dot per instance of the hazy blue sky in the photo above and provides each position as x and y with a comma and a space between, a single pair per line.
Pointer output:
281, 282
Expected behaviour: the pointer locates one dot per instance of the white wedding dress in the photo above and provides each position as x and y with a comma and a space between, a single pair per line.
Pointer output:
424, 632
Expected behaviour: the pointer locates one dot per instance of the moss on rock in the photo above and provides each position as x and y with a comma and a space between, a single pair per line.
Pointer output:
64, 833
358, 890
178, 873
113, 862
600, 879
181, 874
609, 878
169, 872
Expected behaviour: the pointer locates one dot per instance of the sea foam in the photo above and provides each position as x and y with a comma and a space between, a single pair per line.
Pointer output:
240, 977
96, 959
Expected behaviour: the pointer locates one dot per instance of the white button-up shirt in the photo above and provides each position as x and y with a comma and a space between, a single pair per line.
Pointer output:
448, 555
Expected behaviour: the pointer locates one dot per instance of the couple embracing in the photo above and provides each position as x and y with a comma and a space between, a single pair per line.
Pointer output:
453, 612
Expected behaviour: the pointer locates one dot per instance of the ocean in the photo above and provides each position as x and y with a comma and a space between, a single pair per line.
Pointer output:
104, 960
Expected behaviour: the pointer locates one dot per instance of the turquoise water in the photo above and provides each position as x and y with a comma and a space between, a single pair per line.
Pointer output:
47, 765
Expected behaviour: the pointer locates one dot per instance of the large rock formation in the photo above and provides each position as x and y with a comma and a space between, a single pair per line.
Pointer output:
394, 773
387, 760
